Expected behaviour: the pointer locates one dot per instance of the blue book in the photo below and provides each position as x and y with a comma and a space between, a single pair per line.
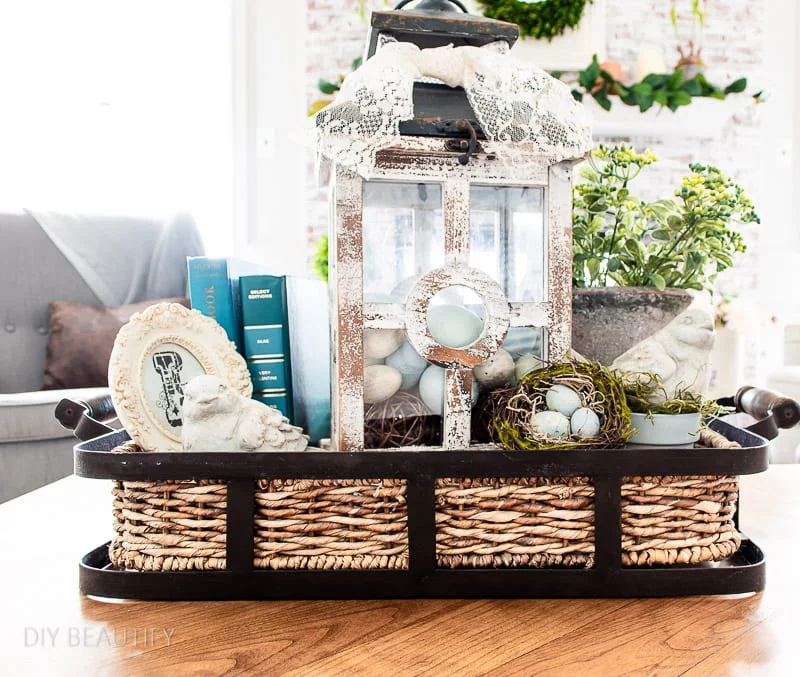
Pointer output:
265, 329
214, 291
210, 293
287, 347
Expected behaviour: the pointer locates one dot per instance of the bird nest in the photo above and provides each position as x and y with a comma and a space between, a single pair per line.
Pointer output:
506, 415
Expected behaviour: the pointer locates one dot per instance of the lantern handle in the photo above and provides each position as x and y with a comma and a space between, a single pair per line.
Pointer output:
457, 3
459, 126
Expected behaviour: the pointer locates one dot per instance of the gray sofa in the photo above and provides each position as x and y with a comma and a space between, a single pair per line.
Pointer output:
93, 260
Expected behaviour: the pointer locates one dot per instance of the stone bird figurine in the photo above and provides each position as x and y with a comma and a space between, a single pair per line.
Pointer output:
679, 354
217, 418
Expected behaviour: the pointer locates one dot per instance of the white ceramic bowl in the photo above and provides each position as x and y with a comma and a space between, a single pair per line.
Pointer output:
665, 429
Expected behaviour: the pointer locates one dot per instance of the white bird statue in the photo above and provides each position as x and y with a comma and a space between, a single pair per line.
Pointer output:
217, 418
679, 354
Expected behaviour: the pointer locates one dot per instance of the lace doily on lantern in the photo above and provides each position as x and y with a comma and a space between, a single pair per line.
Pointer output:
521, 109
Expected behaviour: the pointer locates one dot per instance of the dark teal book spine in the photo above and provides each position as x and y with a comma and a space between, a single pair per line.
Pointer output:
265, 328
237, 268
210, 292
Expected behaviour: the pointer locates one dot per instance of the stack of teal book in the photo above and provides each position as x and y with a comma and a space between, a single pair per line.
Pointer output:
279, 324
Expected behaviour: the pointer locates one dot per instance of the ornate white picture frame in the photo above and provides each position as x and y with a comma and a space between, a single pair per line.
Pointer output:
155, 355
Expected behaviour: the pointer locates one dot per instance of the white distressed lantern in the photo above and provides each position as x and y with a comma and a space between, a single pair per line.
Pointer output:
450, 239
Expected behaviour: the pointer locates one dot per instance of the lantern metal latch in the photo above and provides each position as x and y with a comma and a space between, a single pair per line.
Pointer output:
468, 146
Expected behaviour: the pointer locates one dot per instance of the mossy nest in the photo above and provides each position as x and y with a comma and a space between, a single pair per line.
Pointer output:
646, 394
507, 414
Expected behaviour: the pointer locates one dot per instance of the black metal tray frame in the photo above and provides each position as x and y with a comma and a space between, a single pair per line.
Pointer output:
741, 573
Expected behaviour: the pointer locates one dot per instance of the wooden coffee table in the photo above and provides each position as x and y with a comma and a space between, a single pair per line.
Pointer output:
49, 628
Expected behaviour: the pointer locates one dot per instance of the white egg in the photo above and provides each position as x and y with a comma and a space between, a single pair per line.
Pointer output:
431, 389
409, 363
454, 326
380, 383
584, 423
380, 343
550, 423
495, 372
526, 364
563, 399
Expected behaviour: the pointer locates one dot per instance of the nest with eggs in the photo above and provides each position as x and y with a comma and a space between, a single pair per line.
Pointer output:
507, 415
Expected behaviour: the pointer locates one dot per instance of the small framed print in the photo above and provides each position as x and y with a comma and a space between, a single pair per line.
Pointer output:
155, 355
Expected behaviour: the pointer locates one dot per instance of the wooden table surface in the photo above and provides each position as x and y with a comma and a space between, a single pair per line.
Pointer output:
49, 628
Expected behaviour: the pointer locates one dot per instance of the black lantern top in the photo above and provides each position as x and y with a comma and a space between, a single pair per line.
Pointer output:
439, 110
435, 23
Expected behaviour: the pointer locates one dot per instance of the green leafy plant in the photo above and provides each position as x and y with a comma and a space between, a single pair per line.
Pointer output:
319, 259
681, 242
541, 20
669, 90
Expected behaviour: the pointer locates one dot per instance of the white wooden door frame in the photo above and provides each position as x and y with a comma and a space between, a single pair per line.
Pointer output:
269, 112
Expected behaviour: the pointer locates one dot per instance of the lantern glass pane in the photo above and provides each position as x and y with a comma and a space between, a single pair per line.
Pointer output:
403, 237
508, 239
525, 341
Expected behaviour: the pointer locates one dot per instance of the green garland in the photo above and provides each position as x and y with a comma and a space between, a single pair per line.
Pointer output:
545, 19
669, 90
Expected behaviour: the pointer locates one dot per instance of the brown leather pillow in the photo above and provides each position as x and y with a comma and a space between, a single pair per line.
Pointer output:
81, 339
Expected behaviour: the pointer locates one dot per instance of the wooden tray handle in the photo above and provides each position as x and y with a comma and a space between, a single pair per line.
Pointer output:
761, 403
86, 418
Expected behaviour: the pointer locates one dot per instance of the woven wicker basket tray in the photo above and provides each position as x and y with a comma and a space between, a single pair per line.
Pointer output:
422, 523
331, 524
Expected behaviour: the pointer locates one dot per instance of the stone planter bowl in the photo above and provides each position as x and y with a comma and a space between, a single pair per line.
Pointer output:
607, 321
666, 429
